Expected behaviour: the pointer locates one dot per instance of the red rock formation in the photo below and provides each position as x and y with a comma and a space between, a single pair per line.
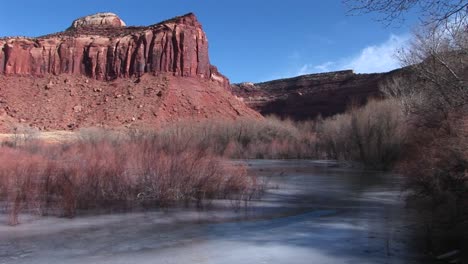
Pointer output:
106, 51
102, 73
68, 102
99, 20
307, 96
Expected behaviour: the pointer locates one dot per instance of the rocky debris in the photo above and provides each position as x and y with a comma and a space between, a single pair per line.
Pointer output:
102, 48
77, 108
57, 110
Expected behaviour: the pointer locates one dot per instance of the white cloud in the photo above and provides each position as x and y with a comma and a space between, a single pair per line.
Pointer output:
373, 58
377, 58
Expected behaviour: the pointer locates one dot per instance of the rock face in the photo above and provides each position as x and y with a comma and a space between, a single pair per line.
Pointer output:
98, 20
102, 48
306, 97
100, 72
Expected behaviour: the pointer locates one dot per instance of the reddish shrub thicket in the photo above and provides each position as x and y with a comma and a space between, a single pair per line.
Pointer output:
374, 134
244, 139
17, 186
64, 178
436, 166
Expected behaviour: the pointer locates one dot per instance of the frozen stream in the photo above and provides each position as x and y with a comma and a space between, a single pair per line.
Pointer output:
314, 213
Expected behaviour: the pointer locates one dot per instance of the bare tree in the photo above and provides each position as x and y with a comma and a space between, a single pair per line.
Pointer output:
430, 11
437, 59
434, 93
437, 54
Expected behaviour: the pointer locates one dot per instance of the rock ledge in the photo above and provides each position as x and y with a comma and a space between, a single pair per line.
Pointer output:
98, 20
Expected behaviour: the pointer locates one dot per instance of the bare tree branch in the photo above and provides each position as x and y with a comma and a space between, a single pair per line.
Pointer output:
430, 11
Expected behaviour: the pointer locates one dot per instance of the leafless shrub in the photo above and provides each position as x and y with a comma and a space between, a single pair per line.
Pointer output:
22, 135
270, 138
94, 135
438, 56
373, 134
84, 175
435, 99
17, 184
441, 174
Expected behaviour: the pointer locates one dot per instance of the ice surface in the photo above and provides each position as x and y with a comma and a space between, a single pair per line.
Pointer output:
316, 213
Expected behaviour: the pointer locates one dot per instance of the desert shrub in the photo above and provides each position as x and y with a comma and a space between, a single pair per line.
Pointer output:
62, 179
441, 175
94, 135
436, 166
22, 135
334, 137
434, 96
373, 134
18, 189
245, 138
435, 100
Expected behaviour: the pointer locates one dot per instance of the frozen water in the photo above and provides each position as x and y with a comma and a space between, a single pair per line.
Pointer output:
316, 212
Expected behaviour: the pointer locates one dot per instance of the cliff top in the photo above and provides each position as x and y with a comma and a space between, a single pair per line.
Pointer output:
110, 25
313, 76
98, 20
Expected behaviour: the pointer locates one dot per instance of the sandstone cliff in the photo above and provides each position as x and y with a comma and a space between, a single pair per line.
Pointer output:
307, 96
103, 48
100, 72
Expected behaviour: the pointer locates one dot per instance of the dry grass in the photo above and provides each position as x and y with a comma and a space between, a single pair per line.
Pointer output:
50, 137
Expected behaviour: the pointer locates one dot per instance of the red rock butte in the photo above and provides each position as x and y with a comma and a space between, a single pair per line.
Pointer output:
100, 46
100, 72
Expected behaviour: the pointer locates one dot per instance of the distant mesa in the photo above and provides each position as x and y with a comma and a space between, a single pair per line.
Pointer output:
98, 20
307, 96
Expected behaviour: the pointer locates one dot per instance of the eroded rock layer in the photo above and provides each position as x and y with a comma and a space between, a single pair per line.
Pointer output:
98, 20
100, 72
306, 97
97, 48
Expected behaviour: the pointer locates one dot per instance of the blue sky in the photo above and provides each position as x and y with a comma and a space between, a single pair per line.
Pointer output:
250, 40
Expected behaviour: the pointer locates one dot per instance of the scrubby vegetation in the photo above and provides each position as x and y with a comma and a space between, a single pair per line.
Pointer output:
271, 138
420, 128
113, 172
374, 134
434, 98
184, 162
